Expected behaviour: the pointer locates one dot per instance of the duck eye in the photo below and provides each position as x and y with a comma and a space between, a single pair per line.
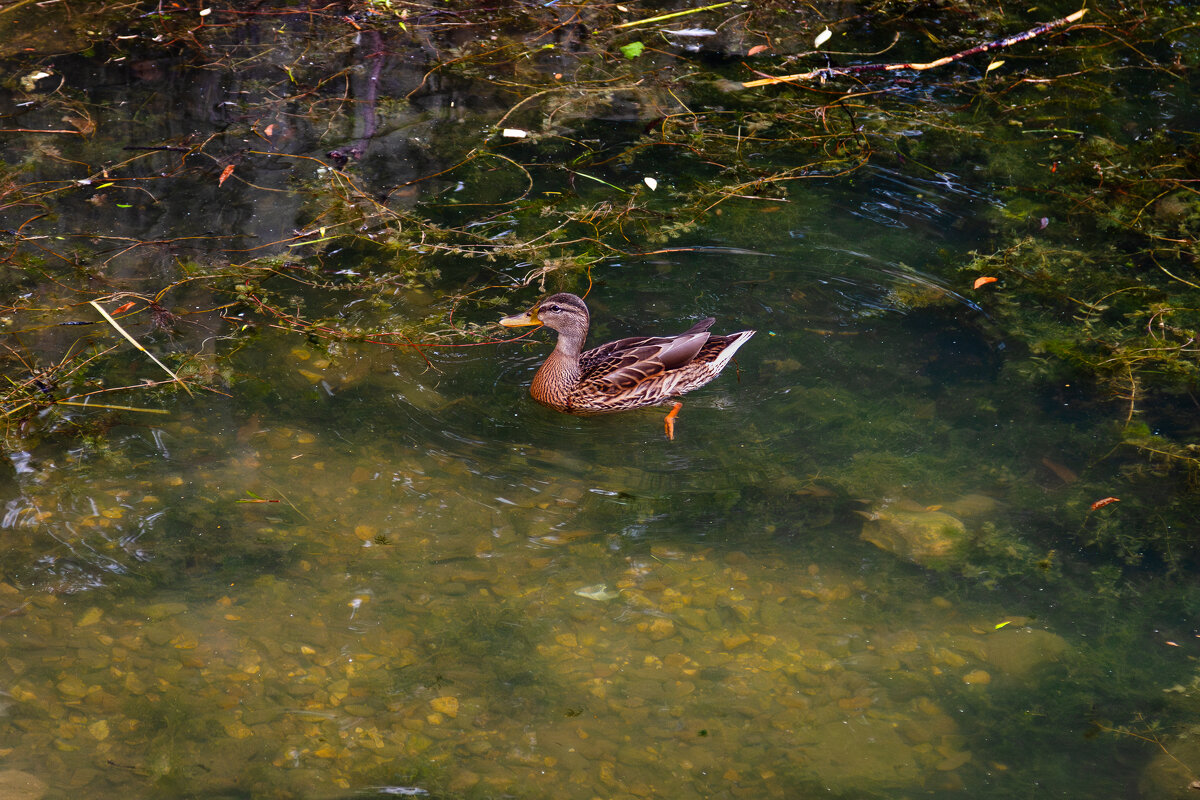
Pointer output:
552, 308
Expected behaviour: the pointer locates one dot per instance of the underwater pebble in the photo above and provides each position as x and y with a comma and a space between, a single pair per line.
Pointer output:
238, 730
446, 704
159, 634
694, 618
735, 641
657, 629
18, 785
462, 780
977, 677
160, 611
90, 617
1017, 651
260, 715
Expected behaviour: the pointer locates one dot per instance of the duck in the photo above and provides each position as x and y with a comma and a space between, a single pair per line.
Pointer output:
629, 373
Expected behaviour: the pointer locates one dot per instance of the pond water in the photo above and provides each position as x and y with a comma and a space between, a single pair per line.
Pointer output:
355, 569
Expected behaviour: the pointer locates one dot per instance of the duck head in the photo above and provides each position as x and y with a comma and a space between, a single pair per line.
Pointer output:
561, 312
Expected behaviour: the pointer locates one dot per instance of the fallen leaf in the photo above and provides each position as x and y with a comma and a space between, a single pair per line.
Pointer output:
270, 129
994, 65
632, 50
983, 282
514, 133
123, 308
758, 48
225, 173
1106, 501
823, 37
653, 184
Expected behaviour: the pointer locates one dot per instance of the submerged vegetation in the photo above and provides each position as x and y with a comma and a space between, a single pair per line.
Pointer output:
597, 150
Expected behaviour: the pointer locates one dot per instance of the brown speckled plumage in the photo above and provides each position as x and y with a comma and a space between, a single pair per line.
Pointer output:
628, 373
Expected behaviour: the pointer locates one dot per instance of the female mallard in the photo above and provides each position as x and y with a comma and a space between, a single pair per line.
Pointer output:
628, 373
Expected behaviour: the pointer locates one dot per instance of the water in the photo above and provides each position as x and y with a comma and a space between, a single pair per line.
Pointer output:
359, 570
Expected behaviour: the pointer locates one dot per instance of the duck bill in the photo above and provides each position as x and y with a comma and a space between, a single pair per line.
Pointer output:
521, 320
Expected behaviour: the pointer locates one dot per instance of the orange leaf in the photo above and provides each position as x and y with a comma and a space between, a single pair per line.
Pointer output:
983, 282
124, 308
1104, 502
225, 173
758, 48
269, 129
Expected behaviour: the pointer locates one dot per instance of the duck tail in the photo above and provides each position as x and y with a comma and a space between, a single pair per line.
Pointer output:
735, 340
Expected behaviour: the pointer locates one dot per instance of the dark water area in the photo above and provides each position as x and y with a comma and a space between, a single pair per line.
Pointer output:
875, 560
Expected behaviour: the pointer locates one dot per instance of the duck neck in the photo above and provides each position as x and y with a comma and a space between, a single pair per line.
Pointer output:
569, 345
560, 373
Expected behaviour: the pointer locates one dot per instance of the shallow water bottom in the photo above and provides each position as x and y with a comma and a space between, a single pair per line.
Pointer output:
464, 647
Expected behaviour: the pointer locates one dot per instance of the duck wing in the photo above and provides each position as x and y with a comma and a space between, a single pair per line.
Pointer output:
590, 359
626, 363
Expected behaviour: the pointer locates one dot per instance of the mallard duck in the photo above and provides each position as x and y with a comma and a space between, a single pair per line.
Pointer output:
628, 373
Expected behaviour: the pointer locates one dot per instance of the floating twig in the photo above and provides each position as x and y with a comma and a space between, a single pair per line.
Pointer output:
15, 6
830, 72
672, 15
113, 407
38, 130
138, 345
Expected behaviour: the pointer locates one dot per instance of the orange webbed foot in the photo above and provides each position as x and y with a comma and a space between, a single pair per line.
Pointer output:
669, 422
